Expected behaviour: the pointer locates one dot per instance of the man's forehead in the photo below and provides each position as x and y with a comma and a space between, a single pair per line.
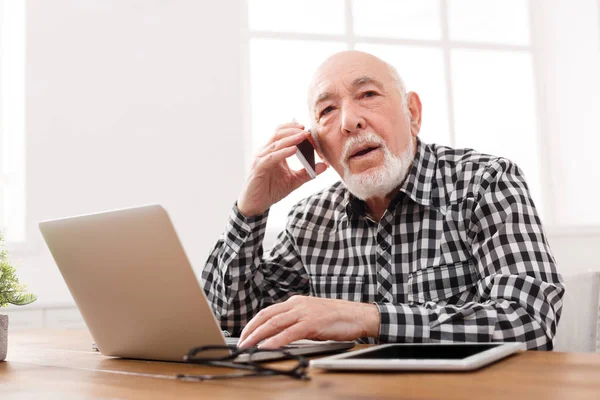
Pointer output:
336, 77
326, 88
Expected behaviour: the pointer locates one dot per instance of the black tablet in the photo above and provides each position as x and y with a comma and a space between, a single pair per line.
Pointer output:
420, 356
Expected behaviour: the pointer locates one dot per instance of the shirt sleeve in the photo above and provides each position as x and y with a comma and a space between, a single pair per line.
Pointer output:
239, 281
518, 291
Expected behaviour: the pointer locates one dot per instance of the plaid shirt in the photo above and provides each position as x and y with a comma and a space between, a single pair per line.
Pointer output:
459, 255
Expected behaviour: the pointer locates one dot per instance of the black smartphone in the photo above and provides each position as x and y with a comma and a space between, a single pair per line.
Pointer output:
306, 155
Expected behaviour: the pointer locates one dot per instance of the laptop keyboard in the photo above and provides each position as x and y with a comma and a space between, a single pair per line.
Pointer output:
232, 342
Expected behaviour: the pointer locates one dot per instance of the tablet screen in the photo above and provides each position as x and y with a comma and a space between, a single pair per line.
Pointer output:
425, 352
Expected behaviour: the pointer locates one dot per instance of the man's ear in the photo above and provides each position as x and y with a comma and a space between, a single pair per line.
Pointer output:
314, 143
416, 112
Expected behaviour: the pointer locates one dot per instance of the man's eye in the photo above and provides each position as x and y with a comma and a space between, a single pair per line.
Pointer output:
326, 110
369, 93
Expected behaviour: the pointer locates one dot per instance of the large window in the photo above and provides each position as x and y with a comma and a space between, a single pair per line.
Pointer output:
475, 77
12, 120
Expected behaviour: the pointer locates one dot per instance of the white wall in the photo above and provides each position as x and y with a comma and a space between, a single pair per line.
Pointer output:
128, 103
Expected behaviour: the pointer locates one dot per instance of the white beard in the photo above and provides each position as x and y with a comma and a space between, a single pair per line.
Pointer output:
380, 181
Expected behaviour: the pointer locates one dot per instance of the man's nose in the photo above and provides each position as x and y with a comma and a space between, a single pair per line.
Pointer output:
352, 120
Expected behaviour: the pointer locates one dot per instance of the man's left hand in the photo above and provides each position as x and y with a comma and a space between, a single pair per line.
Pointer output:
303, 317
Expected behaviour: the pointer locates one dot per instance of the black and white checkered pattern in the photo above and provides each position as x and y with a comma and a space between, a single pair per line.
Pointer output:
459, 255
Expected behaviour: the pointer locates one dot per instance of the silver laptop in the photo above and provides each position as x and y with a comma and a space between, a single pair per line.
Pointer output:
135, 288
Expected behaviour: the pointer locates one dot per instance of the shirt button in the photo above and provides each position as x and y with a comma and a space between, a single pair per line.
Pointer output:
385, 245
428, 297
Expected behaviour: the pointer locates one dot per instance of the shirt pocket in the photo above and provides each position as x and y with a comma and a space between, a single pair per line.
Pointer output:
338, 287
441, 282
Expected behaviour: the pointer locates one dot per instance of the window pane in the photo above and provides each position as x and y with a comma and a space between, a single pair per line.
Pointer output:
280, 72
495, 21
422, 70
401, 19
495, 109
306, 16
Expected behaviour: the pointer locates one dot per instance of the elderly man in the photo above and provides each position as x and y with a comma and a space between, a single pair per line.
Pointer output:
417, 243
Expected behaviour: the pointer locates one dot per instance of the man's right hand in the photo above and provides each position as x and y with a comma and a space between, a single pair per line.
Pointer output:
271, 179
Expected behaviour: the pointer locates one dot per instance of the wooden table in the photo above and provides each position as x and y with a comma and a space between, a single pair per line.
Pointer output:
51, 364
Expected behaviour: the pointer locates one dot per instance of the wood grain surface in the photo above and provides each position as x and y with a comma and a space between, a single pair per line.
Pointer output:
53, 364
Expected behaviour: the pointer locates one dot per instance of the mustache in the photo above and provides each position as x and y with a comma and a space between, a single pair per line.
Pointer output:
367, 137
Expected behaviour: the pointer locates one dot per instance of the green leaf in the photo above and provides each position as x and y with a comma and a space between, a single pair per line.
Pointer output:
11, 291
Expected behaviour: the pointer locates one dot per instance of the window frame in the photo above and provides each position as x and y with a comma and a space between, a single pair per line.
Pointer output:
446, 45
535, 48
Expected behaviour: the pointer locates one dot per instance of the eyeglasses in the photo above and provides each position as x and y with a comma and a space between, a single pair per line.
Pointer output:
223, 356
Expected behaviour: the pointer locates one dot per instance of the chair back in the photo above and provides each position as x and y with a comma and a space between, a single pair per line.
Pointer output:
579, 325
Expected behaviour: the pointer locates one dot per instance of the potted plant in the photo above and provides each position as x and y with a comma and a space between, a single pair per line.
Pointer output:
11, 292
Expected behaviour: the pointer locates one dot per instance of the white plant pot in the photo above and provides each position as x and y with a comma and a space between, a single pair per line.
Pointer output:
3, 336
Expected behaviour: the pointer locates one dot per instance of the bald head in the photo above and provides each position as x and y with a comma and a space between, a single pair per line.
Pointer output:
374, 69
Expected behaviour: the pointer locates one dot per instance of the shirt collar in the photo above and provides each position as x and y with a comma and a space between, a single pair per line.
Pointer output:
417, 185
419, 181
